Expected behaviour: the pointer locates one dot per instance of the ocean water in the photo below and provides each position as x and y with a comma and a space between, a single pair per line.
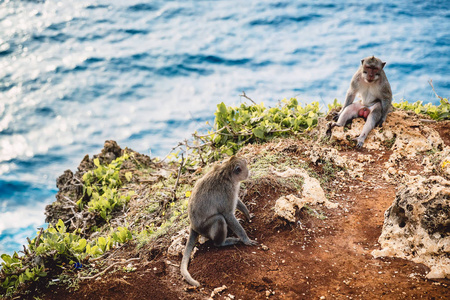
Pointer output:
148, 73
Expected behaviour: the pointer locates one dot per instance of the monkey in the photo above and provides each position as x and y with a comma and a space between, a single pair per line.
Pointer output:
371, 83
211, 207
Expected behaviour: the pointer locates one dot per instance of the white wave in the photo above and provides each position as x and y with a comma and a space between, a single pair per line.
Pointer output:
22, 217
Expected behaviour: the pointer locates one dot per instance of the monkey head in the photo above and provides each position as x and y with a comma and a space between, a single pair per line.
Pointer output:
371, 68
238, 168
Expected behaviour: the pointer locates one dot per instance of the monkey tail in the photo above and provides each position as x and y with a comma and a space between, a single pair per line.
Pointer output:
187, 254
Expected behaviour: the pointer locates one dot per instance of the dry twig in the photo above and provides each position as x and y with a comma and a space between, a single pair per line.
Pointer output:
178, 178
245, 96
431, 83
102, 272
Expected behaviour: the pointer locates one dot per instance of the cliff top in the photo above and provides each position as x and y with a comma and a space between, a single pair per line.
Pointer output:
320, 220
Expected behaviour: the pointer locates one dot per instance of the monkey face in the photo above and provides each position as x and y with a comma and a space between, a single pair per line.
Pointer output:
371, 73
371, 68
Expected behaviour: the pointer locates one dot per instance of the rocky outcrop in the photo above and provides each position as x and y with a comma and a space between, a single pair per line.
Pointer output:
70, 187
312, 194
417, 225
403, 130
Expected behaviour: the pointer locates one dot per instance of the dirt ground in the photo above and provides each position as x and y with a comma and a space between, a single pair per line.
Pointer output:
315, 258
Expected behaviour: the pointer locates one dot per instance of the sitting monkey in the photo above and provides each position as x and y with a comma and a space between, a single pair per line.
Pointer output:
371, 83
211, 209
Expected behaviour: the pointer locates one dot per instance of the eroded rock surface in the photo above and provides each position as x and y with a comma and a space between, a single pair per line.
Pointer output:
402, 129
417, 225
312, 193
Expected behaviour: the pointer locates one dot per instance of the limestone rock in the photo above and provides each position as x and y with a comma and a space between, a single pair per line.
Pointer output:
403, 128
417, 225
354, 168
312, 194
178, 244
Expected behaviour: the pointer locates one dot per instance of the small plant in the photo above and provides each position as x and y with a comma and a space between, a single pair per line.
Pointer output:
440, 112
101, 186
54, 246
237, 126
311, 211
122, 235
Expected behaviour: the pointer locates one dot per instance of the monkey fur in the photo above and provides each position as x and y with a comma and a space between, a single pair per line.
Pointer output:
371, 83
211, 209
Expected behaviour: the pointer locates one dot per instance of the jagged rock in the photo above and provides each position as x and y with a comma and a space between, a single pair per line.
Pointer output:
312, 193
70, 187
178, 244
403, 129
354, 168
417, 225
438, 163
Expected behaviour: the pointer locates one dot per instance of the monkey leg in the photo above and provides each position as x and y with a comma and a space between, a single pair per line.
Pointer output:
215, 228
374, 118
233, 223
348, 114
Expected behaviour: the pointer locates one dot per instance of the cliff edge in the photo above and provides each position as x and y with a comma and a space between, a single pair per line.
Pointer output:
332, 221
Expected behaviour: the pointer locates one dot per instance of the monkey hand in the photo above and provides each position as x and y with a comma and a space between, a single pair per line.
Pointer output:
380, 123
250, 242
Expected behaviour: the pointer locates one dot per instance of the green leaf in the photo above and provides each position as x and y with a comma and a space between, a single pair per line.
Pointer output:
7, 259
128, 176
97, 162
222, 108
259, 132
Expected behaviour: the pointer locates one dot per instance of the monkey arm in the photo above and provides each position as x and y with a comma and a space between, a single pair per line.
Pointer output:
349, 98
234, 225
242, 208
386, 106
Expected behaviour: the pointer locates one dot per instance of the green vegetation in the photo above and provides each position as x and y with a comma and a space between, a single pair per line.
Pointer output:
438, 113
55, 248
102, 184
237, 126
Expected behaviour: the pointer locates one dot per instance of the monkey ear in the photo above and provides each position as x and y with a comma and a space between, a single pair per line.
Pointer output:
237, 170
362, 61
383, 64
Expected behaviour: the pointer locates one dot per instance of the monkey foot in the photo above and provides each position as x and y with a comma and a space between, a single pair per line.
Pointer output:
359, 143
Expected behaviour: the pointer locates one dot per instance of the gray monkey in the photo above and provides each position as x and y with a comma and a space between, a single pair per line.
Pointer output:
371, 83
211, 209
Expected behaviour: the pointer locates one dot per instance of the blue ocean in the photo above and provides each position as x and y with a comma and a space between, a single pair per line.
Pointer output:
149, 73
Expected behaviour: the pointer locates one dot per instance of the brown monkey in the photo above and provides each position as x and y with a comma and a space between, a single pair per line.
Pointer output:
211, 208
371, 83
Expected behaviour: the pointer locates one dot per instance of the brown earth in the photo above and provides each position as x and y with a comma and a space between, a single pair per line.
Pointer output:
315, 258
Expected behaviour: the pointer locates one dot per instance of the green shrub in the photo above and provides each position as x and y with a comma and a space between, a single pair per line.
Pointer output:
101, 186
57, 247
440, 112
